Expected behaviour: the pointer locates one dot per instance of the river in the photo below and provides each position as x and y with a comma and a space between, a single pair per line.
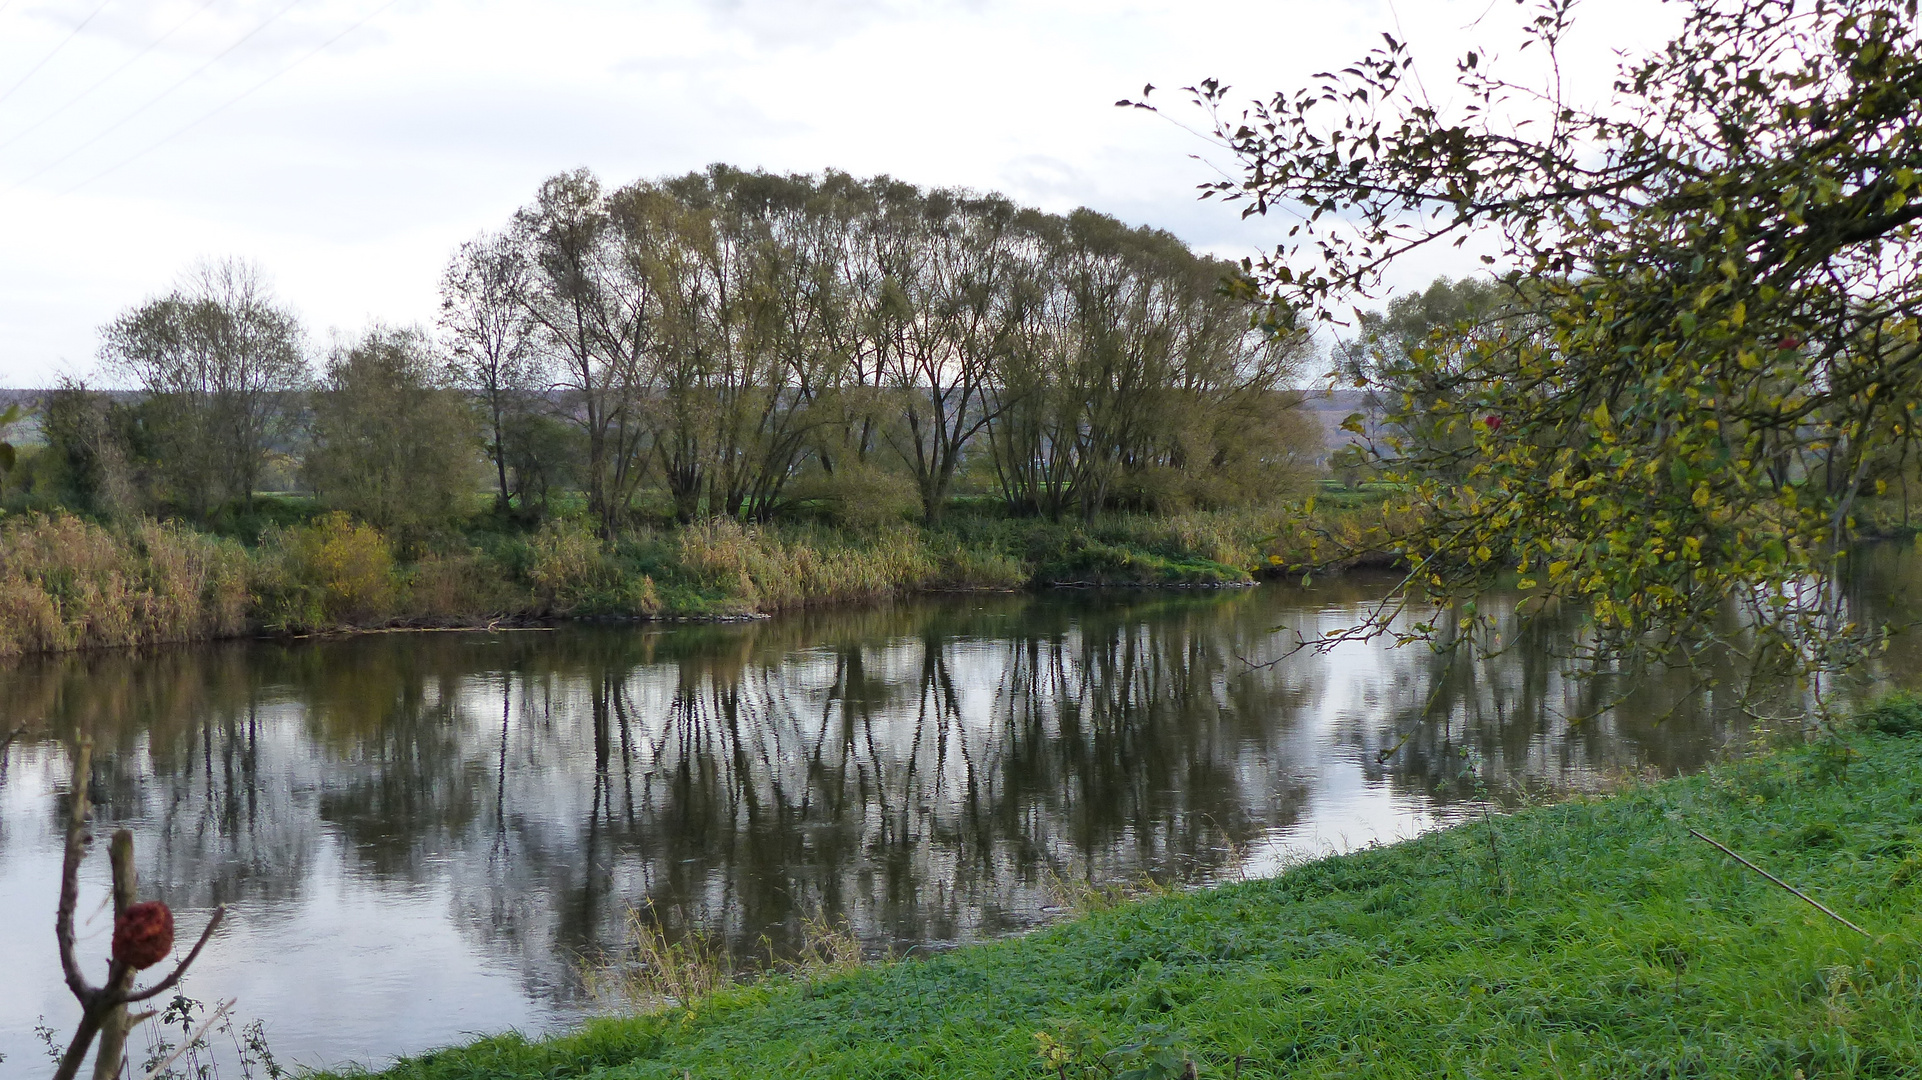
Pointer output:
420, 836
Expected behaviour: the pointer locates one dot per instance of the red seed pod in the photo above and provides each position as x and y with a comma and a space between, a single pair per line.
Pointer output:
1494, 422
143, 935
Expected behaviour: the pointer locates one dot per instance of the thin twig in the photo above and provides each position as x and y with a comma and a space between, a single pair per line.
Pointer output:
168, 982
192, 1042
1818, 905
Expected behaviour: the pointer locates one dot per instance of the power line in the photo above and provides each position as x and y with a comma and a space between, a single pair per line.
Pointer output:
108, 77
155, 100
74, 33
230, 102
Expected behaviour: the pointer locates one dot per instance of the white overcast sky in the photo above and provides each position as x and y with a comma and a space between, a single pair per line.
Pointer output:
348, 145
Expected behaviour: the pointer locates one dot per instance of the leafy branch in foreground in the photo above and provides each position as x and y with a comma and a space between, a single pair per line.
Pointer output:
1707, 345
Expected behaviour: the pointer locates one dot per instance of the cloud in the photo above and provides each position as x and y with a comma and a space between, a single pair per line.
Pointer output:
351, 172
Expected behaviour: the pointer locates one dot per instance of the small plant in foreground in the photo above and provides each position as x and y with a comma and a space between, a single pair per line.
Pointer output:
1153, 1052
658, 969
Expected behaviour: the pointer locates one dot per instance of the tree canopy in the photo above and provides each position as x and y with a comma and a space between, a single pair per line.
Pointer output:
1708, 337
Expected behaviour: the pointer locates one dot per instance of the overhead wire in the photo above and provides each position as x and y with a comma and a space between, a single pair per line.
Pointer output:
156, 99
108, 77
64, 42
230, 102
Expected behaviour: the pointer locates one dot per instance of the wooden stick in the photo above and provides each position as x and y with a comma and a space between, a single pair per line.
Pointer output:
114, 1026
1817, 904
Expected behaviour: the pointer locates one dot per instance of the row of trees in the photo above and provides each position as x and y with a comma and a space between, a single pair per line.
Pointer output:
726, 332
728, 343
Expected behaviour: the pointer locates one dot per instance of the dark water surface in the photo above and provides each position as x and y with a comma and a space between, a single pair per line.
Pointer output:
419, 835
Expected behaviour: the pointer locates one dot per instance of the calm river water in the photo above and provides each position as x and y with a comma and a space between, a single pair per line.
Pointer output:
420, 835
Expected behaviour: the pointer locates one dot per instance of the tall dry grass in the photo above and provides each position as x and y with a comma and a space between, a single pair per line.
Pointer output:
68, 583
657, 970
769, 572
572, 571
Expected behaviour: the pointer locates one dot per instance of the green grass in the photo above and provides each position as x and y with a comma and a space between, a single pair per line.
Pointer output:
1591, 938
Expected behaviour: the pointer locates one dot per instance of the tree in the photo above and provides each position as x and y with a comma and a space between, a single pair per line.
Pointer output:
938, 320
92, 443
1132, 379
484, 316
594, 312
393, 438
219, 360
1718, 272
1407, 358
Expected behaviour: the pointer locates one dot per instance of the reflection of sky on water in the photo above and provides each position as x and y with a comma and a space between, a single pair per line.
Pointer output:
420, 834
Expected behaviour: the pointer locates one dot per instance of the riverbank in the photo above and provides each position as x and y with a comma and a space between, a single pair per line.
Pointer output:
68, 582
1591, 938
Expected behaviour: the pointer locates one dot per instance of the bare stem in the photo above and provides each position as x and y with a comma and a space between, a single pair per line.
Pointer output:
70, 872
114, 1024
190, 1042
1817, 904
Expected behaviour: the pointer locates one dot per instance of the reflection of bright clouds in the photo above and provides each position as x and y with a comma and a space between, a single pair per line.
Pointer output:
421, 834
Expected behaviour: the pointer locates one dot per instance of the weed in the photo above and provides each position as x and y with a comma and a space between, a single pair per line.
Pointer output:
659, 969
67, 583
1084, 896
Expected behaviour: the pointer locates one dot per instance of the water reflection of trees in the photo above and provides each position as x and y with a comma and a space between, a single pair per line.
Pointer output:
917, 770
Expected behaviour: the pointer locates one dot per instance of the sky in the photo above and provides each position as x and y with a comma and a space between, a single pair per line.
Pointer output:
347, 146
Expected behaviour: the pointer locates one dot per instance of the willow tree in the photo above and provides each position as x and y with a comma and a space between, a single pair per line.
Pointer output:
592, 309
1713, 298
484, 317
1131, 378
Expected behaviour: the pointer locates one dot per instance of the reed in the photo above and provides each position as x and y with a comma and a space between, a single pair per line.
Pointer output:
68, 583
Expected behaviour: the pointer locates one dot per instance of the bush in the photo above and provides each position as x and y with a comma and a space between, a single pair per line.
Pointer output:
573, 573
1899, 713
857, 496
334, 572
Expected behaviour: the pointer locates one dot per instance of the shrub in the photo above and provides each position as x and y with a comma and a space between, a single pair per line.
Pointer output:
858, 496
573, 573
334, 572
1899, 713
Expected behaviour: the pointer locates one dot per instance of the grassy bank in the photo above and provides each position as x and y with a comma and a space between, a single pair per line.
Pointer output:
68, 582
1592, 938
